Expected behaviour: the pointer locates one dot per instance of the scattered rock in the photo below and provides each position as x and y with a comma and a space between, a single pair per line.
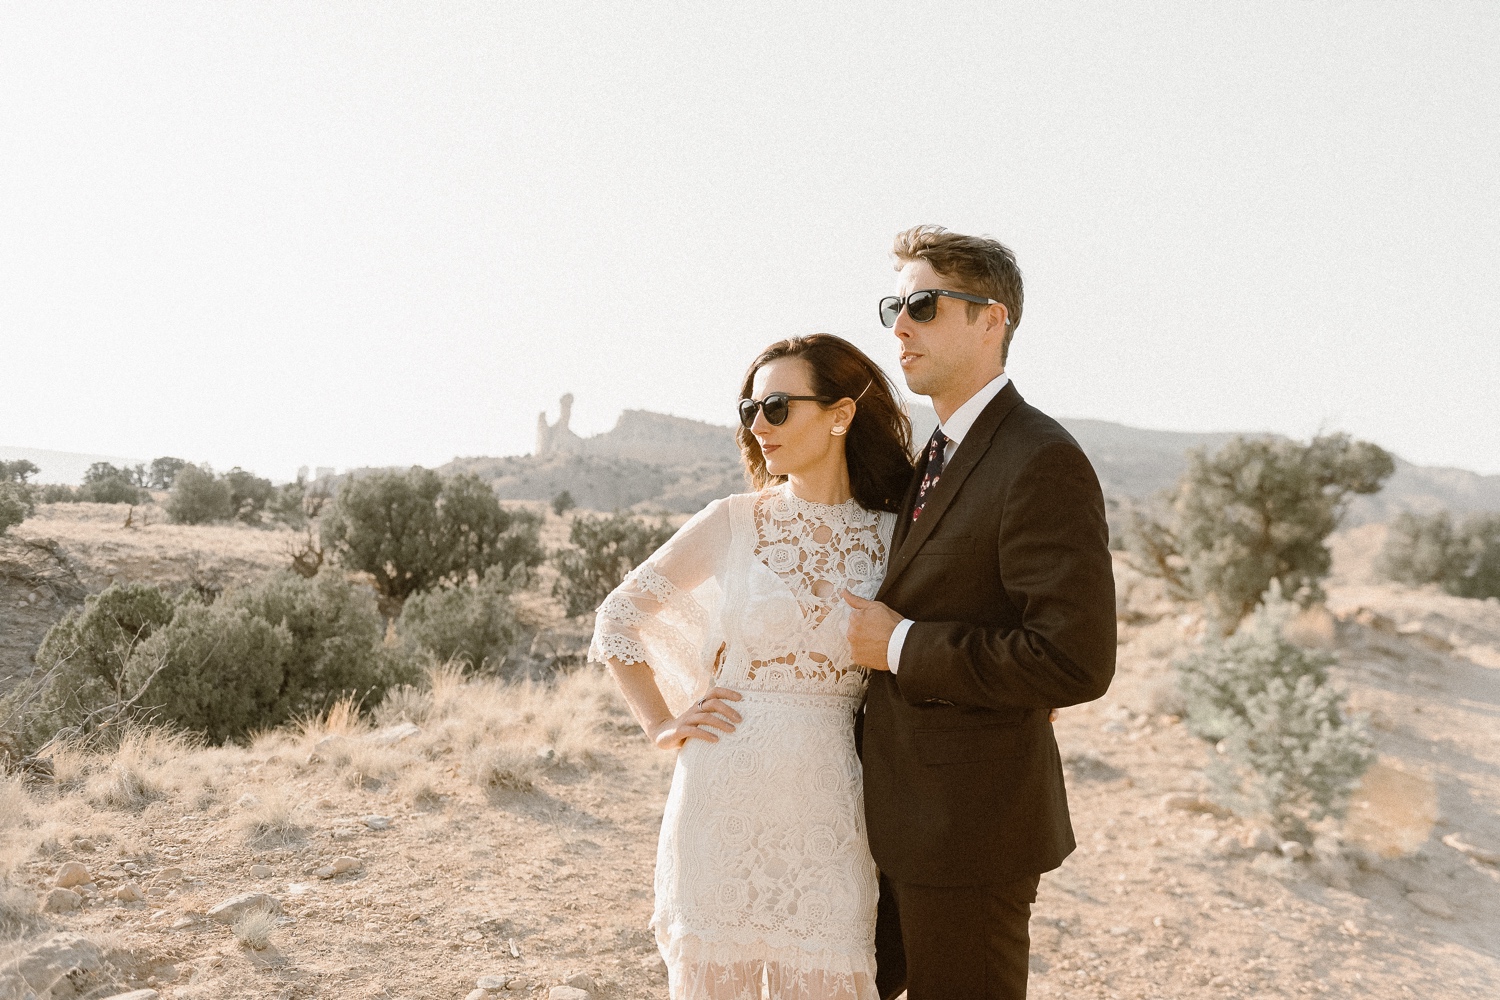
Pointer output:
173, 874
229, 911
491, 982
472, 936
86, 846
477, 995
130, 892
567, 993
1418, 631
1437, 906
72, 873
260, 871
1293, 849
378, 822
583, 981
1188, 802
1375, 621
324, 871
61, 901
135, 995
1259, 839
347, 864
63, 956
1462, 846
394, 734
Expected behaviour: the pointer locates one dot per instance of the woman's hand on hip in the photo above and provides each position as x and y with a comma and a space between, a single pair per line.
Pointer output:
711, 712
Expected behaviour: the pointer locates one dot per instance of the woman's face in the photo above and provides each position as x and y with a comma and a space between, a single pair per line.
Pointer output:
805, 441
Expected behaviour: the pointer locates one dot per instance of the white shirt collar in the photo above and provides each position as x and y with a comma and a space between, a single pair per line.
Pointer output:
961, 419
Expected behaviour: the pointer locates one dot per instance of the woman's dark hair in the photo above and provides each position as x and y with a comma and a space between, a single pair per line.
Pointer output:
878, 446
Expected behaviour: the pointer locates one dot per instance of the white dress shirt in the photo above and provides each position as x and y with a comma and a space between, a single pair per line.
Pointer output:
954, 429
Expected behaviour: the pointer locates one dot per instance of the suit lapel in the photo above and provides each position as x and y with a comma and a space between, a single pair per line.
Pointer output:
970, 450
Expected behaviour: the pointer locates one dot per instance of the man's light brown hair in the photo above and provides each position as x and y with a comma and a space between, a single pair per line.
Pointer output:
976, 264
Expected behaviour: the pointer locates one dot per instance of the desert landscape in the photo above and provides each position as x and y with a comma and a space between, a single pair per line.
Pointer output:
484, 837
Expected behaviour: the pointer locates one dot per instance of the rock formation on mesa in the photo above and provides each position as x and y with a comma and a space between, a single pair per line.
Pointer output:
558, 438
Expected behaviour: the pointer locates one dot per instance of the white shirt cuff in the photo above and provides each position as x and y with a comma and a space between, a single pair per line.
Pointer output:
898, 639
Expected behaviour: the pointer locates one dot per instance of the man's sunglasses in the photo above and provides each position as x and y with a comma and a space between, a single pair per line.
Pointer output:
922, 306
776, 406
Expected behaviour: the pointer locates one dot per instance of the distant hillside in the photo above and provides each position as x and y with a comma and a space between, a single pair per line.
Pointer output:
655, 461
60, 466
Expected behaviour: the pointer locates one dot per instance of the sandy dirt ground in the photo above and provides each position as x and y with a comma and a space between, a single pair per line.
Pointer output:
522, 825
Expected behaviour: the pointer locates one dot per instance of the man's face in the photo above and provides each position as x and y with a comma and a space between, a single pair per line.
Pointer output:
942, 352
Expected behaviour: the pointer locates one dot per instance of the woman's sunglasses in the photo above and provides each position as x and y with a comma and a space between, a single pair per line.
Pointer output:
922, 306
776, 406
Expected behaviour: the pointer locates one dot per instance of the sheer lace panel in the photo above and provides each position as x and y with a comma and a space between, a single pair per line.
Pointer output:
817, 550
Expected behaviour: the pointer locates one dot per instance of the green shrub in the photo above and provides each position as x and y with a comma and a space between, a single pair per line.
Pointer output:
16, 505
82, 661
249, 494
215, 669
473, 624
18, 471
1254, 512
603, 550
1464, 559
163, 472
260, 656
1287, 751
199, 497
58, 493
414, 531
335, 638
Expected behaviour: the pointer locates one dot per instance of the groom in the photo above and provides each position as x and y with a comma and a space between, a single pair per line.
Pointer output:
998, 605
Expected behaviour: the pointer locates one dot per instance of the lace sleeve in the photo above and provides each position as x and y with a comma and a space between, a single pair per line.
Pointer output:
660, 614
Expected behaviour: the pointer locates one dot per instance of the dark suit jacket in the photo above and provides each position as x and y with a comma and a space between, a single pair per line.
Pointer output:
1007, 577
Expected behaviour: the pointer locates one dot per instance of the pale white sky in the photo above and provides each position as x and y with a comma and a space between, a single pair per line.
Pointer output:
346, 234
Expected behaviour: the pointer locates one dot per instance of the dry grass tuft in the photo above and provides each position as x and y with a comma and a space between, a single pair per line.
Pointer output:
253, 928
18, 910
137, 771
341, 719
505, 767
269, 822
418, 788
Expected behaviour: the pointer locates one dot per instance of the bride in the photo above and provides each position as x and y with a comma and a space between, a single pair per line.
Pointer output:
729, 645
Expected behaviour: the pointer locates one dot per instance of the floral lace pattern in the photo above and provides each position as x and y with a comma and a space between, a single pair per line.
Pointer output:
763, 868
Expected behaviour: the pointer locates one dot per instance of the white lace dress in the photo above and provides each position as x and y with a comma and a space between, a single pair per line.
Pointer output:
763, 871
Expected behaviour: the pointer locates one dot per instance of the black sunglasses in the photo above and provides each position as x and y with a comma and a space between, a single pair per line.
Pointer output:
776, 405
922, 306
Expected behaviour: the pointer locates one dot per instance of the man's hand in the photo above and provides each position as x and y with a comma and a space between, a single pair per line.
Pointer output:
870, 626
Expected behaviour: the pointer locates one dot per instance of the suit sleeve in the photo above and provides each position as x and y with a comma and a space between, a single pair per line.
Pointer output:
1055, 566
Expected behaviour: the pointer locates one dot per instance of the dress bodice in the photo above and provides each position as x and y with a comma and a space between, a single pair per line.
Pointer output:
746, 595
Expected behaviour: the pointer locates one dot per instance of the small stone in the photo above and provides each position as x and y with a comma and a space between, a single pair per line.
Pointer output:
72, 873
394, 734
1188, 802
173, 874
1119, 930
246, 801
182, 923
491, 982
326, 871
378, 822
325, 803
86, 846
135, 995
1480, 854
477, 995
1437, 906
1259, 839
260, 871
230, 909
472, 936
567, 993
130, 892
1292, 849
61, 901
347, 864
131, 866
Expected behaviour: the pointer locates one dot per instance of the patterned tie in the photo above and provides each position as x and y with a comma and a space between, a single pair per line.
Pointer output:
934, 471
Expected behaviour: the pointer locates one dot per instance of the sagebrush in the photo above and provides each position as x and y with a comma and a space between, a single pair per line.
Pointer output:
1286, 749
